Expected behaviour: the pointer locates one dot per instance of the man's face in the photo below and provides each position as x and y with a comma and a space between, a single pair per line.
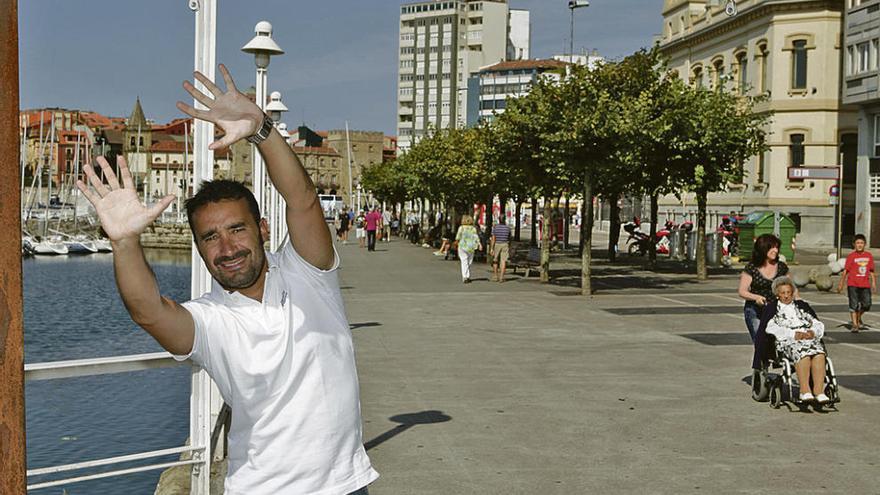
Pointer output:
859, 245
231, 243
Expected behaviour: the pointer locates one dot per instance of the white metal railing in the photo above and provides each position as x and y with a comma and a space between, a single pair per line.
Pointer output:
103, 366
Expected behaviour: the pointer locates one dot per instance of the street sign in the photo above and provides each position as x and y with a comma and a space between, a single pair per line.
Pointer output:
834, 191
814, 173
833, 200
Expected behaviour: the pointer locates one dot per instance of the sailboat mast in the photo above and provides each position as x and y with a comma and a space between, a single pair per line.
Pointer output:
49, 175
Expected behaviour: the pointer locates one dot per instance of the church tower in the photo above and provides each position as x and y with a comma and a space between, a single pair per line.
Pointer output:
136, 146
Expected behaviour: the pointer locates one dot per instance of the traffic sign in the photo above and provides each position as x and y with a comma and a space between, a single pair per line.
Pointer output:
834, 191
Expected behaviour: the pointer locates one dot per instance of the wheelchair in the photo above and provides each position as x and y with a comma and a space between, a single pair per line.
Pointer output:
779, 388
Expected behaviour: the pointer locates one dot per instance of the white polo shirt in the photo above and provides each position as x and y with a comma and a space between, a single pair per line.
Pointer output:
286, 367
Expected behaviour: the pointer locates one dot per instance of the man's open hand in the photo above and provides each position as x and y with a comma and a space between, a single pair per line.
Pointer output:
237, 115
121, 213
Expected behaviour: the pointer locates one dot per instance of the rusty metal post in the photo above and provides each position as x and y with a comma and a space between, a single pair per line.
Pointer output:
12, 431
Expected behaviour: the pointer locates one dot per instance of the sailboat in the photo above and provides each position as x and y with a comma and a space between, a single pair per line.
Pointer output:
53, 244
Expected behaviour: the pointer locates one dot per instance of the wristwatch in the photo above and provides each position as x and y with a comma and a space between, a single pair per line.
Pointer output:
263, 132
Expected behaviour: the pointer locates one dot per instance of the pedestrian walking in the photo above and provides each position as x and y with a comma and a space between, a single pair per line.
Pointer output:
386, 225
499, 248
360, 224
272, 333
756, 280
860, 279
373, 219
344, 226
467, 242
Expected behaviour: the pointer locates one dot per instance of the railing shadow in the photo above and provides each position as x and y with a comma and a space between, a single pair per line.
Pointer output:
405, 422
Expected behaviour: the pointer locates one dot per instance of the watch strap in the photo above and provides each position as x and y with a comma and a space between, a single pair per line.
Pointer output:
263, 132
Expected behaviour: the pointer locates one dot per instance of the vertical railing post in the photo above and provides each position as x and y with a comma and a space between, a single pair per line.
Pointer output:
203, 169
13, 463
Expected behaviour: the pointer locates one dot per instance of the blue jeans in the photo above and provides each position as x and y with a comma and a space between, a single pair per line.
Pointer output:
752, 314
362, 491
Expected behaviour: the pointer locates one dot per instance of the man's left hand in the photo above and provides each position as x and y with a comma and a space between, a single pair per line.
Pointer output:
232, 111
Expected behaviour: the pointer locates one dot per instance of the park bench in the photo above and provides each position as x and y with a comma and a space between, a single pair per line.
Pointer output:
527, 260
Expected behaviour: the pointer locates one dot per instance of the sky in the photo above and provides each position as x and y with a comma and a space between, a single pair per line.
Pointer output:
340, 60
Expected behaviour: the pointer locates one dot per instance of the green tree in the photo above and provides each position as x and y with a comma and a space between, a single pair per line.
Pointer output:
725, 132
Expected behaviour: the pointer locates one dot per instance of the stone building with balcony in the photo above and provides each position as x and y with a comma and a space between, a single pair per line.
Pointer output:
788, 50
861, 91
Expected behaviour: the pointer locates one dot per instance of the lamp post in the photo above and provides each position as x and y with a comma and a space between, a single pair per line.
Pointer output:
276, 204
572, 5
262, 47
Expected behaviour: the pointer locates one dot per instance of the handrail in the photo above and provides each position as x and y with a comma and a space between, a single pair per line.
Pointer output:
102, 366
109, 474
99, 366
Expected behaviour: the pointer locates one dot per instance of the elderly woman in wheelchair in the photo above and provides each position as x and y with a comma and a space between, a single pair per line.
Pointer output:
798, 339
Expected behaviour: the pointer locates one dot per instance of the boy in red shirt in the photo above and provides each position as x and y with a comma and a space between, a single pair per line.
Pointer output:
861, 281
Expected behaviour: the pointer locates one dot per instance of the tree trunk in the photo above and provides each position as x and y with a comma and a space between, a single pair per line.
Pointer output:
613, 227
518, 217
652, 254
545, 241
583, 226
587, 236
566, 219
534, 241
702, 270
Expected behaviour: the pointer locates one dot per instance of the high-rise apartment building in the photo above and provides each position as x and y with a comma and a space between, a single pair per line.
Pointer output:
442, 44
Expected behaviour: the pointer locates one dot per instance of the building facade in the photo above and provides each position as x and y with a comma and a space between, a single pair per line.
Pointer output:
860, 91
496, 83
789, 51
367, 149
442, 44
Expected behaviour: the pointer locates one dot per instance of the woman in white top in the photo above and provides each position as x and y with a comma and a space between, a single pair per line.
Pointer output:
798, 335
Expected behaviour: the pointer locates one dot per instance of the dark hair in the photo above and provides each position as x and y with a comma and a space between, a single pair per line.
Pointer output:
213, 191
763, 244
859, 237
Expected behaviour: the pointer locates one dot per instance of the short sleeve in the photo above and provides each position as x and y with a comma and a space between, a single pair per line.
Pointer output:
849, 264
293, 260
200, 353
783, 269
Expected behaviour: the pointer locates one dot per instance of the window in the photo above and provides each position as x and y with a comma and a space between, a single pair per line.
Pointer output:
875, 53
760, 167
698, 77
864, 51
718, 82
762, 50
850, 60
796, 150
742, 73
877, 134
799, 65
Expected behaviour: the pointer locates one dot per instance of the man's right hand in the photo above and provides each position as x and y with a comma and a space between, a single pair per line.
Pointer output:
121, 213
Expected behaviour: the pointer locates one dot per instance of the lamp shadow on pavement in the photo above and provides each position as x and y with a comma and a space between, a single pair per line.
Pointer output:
355, 326
405, 422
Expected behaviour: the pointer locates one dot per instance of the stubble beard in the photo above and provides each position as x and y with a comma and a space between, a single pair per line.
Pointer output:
244, 278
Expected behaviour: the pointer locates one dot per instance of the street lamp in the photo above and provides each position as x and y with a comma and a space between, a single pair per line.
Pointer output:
275, 107
572, 5
276, 204
262, 47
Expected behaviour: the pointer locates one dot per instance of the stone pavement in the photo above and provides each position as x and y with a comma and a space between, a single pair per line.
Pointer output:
528, 388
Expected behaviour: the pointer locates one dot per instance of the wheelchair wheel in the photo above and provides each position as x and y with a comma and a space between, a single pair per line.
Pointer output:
760, 385
775, 395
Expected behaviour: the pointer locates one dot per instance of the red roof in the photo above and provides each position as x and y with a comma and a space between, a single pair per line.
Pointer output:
541, 64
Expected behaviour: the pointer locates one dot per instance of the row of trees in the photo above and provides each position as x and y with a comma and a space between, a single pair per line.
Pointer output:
629, 127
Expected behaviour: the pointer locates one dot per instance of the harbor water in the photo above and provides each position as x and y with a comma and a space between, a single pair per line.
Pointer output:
73, 311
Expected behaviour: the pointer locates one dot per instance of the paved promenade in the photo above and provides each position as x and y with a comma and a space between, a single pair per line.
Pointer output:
528, 388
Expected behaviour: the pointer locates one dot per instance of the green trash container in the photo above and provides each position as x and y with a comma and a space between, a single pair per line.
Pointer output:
761, 222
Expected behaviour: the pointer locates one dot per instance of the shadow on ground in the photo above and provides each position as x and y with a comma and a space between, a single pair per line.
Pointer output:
405, 422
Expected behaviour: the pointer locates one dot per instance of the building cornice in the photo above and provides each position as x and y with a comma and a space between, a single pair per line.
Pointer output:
747, 17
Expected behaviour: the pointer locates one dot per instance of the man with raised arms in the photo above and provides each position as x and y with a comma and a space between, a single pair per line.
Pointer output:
272, 332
